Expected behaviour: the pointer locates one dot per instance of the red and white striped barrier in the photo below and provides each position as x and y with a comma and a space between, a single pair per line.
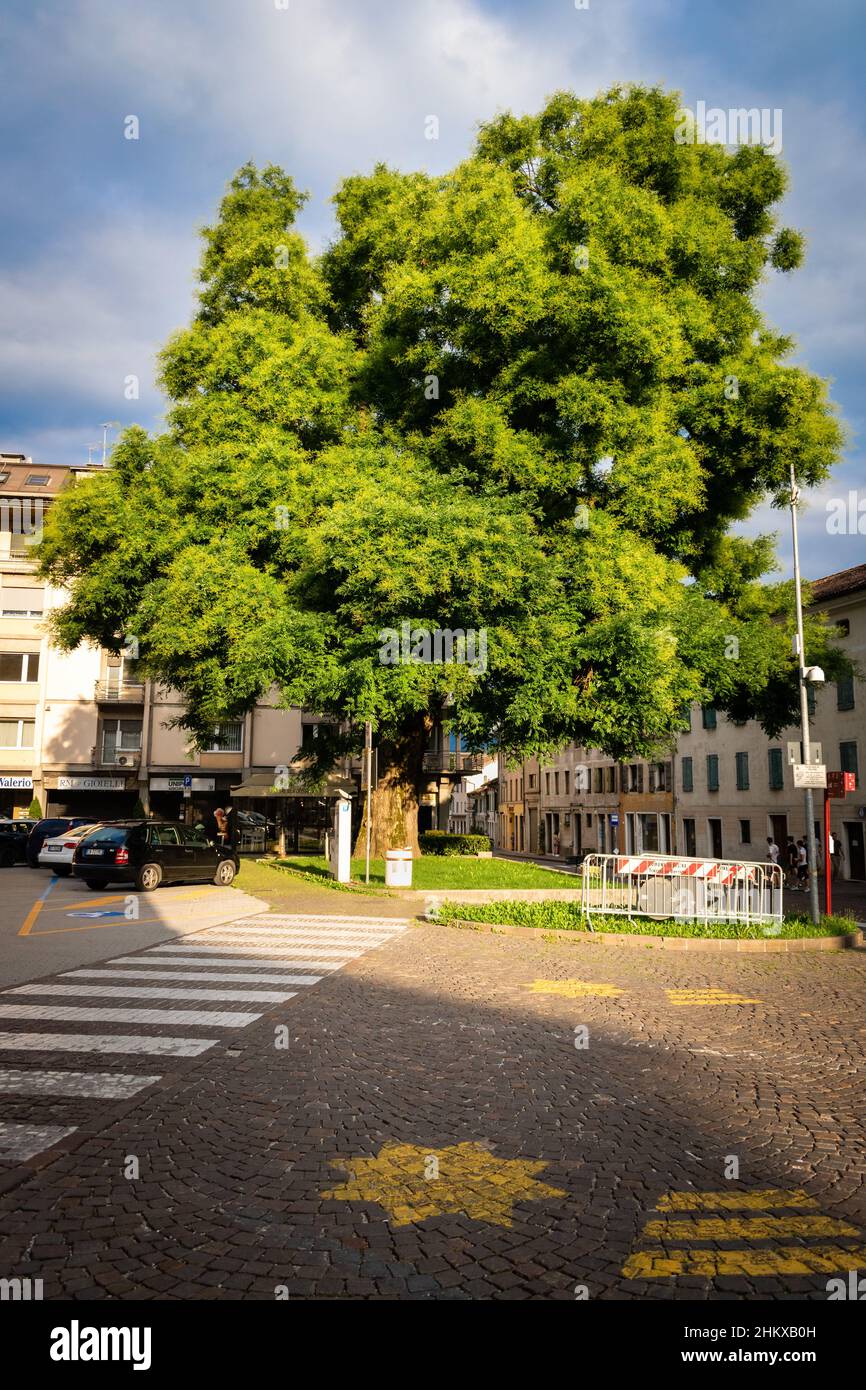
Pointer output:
663, 885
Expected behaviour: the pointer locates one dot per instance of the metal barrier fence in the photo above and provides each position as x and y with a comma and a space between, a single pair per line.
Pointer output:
252, 841
697, 890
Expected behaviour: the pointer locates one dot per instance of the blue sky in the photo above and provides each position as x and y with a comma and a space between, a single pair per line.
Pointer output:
98, 233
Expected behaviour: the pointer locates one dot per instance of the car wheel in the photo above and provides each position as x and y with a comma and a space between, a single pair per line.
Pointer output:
225, 873
7, 858
95, 883
148, 878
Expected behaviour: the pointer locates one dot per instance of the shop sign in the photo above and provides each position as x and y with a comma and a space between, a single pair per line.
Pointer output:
9, 782
91, 784
177, 784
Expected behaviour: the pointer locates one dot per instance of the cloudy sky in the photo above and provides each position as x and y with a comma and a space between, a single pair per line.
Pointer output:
98, 237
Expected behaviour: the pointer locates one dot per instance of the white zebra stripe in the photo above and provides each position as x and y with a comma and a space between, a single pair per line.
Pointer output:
20, 1142
104, 1042
96, 1085
261, 978
237, 961
230, 953
245, 996
299, 948
72, 1013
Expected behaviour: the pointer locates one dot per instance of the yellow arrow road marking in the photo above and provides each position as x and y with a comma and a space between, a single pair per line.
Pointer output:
711, 1264
761, 1199
747, 1228
698, 997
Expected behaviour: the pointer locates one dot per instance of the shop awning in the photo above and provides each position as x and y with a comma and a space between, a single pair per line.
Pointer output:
261, 784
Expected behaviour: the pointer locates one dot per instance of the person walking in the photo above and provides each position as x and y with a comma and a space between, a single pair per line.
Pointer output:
792, 860
802, 866
838, 857
772, 850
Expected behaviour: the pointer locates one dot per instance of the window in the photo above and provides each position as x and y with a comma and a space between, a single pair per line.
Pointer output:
120, 737
37, 480
708, 716
4, 477
547, 783
556, 783
599, 779
20, 603
309, 735
688, 775
745, 832
565, 779
532, 781
686, 716
17, 733
742, 772
777, 778
845, 693
22, 667
164, 835
848, 759
589, 818
227, 738
712, 772
611, 779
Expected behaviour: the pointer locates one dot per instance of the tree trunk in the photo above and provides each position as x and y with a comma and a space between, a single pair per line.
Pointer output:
394, 800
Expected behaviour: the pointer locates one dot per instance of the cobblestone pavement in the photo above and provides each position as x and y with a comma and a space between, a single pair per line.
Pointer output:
453, 1114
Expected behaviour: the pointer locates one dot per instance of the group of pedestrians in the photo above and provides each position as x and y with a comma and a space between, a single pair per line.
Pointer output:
795, 861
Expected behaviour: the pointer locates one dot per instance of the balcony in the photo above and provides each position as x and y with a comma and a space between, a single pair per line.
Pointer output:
453, 762
119, 693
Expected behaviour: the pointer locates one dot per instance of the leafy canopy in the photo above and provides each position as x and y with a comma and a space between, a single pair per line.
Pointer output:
530, 396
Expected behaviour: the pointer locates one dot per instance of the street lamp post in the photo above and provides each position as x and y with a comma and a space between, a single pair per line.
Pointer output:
804, 710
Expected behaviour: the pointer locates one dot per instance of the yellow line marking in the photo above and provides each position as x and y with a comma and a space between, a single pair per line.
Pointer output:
762, 1199
707, 996
710, 1264
101, 900
747, 1228
96, 926
574, 989
31, 918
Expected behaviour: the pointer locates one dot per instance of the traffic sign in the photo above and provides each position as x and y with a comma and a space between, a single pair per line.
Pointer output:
839, 783
187, 779
614, 820
795, 753
810, 775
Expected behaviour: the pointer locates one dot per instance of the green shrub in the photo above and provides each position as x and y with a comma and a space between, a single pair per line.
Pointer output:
35, 810
567, 916
138, 811
439, 842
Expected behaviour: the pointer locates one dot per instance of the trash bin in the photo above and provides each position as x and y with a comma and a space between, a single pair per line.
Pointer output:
398, 868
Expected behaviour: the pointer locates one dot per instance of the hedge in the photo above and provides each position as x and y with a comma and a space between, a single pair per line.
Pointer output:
439, 842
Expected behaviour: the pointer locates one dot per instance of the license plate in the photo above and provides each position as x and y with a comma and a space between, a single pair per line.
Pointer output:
52, 849
93, 852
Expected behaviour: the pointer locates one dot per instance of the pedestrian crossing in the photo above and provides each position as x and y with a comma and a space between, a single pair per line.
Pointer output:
172, 1001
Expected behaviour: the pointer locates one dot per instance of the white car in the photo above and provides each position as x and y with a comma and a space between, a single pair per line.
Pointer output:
57, 852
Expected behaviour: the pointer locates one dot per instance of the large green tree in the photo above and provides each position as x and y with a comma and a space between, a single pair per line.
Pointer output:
528, 397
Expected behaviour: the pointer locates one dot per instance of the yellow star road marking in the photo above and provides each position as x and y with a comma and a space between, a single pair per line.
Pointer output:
413, 1182
574, 989
707, 996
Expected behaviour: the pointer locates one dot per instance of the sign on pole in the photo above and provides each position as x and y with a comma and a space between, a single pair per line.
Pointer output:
810, 775
795, 754
840, 783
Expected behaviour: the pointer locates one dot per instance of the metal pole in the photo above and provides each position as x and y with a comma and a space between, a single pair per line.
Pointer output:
368, 756
804, 710
828, 892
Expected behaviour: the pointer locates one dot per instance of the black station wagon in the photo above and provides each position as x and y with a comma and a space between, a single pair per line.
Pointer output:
148, 853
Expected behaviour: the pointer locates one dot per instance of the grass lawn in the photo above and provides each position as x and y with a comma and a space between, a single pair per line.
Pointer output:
433, 871
567, 917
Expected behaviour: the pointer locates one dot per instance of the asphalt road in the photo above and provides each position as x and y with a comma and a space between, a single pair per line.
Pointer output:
49, 923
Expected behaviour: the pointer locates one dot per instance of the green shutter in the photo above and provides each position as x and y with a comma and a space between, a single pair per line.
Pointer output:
777, 778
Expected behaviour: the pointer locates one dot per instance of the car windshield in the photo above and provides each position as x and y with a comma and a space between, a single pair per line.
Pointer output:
106, 834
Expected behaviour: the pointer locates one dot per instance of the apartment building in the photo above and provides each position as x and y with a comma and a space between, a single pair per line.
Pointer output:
735, 787
721, 790
469, 802
81, 731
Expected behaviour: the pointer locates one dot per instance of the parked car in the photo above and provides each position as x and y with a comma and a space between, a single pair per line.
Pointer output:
13, 844
148, 853
52, 825
56, 852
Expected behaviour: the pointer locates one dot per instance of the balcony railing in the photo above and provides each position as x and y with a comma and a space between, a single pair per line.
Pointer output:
453, 762
122, 693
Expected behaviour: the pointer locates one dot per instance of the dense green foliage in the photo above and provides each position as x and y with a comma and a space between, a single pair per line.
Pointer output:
528, 396
438, 842
562, 916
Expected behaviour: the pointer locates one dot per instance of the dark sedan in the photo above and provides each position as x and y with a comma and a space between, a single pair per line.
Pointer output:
148, 853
